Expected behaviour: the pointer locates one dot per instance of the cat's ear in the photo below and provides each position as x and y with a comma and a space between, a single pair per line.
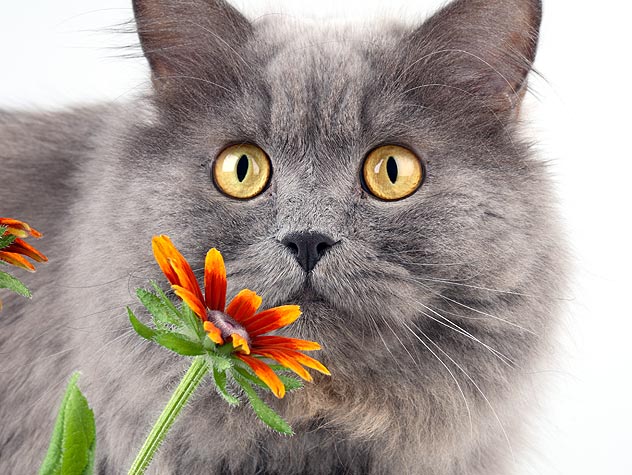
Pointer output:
191, 39
483, 48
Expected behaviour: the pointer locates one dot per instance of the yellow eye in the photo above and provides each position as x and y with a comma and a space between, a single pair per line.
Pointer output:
392, 172
242, 171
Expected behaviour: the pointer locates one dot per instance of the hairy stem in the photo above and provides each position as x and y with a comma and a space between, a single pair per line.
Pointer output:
191, 380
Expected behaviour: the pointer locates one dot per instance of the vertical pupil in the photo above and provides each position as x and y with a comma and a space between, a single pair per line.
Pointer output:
242, 167
391, 169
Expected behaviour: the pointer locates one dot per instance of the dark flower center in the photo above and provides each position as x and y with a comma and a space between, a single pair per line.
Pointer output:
227, 325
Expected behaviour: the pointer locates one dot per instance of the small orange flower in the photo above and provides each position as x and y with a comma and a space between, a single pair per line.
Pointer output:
239, 323
13, 254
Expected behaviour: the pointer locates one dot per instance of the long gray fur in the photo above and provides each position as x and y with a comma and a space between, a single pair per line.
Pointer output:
433, 311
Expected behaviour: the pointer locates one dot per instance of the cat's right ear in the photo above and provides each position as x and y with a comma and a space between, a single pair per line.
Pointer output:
191, 41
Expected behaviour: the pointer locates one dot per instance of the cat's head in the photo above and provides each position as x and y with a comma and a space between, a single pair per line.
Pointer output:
463, 231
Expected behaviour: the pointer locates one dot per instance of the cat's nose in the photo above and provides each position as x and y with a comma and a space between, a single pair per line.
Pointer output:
308, 247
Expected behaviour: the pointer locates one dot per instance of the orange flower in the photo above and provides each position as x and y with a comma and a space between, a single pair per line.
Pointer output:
239, 323
14, 252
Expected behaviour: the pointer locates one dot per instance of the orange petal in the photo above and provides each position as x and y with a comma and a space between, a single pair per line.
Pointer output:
281, 342
271, 319
307, 361
160, 246
18, 228
265, 373
191, 300
16, 260
22, 247
214, 333
283, 359
244, 305
215, 280
175, 266
240, 343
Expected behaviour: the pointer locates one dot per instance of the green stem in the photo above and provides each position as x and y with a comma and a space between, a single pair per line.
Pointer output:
183, 392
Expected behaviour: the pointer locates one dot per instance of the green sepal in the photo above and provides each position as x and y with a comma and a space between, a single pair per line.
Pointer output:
220, 362
262, 410
220, 383
7, 281
6, 239
73, 443
179, 344
192, 322
140, 328
290, 383
162, 315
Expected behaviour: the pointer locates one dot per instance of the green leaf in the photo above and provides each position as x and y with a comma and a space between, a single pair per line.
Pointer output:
192, 322
179, 344
7, 281
73, 443
163, 315
7, 239
221, 363
164, 299
220, 382
290, 383
142, 329
263, 411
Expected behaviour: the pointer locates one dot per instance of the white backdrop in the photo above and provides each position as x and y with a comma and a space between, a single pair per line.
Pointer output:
53, 54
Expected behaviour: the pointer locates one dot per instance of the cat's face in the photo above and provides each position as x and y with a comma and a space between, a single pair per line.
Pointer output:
318, 102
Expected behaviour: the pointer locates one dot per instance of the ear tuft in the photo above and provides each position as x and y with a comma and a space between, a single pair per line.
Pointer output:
485, 48
190, 38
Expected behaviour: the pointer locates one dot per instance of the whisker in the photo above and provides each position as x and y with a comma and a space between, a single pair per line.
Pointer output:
453, 326
477, 311
458, 385
502, 427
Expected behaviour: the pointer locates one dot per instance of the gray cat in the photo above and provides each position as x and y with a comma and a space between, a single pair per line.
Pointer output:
432, 282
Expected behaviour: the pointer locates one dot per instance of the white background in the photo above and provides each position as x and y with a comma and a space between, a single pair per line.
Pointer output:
54, 54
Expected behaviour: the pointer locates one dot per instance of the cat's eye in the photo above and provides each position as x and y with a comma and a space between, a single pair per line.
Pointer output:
392, 172
242, 171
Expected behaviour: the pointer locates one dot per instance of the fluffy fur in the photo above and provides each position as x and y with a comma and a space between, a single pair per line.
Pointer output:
432, 311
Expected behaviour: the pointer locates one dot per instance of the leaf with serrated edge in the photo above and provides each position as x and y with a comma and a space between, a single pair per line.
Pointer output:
222, 363
6, 239
73, 443
263, 411
162, 315
220, 383
7, 281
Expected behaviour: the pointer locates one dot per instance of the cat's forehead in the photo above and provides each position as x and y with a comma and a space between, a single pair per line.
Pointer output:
316, 83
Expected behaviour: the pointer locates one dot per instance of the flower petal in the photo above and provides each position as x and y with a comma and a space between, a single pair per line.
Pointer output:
22, 247
16, 260
160, 246
265, 373
214, 333
175, 266
307, 361
271, 319
19, 228
215, 280
283, 359
191, 300
240, 343
281, 342
244, 305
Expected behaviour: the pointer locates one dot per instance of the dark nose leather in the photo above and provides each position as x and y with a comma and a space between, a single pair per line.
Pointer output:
308, 247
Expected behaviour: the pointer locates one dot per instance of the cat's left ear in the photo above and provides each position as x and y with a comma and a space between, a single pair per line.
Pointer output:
191, 40
482, 48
